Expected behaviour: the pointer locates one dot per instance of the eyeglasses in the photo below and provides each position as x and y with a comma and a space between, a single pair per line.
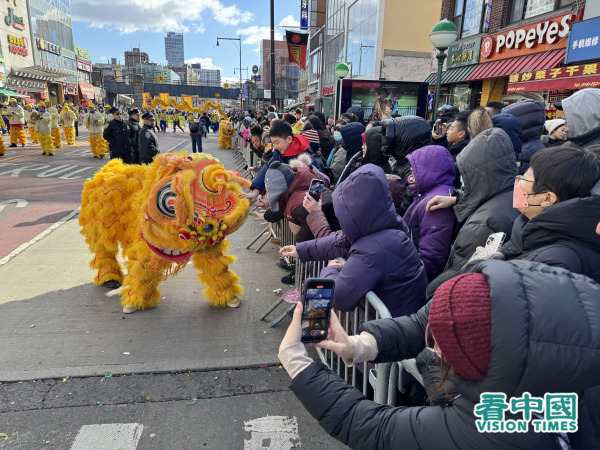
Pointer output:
117, 114
522, 178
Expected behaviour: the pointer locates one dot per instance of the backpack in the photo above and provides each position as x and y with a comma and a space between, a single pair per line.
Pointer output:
194, 127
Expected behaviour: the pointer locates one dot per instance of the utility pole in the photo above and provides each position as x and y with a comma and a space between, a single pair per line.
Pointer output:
273, 53
241, 88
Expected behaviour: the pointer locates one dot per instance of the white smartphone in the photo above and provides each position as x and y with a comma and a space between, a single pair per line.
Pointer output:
494, 242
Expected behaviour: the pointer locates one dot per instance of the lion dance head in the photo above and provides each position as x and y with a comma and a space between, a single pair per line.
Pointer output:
190, 203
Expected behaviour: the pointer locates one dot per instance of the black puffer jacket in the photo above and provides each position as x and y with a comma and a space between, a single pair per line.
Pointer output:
488, 169
351, 134
135, 132
374, 154
119, 135
545, 337
563, 235
532, 116
403, 135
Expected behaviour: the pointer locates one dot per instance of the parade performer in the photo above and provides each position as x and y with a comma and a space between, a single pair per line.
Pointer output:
16, 118
226, 132
107, 117
176, 121
163, 121
4, 118
67, 118
214, 125
55, 127
31, 123
94, 121
43, 128
176, 208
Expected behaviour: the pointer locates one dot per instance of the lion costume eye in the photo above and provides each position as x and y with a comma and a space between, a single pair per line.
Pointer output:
165, 200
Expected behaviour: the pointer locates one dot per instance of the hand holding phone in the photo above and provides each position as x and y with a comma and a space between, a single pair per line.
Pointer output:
316, 188
317, 296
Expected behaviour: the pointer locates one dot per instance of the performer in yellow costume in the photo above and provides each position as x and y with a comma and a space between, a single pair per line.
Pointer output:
162, 214
67, 118
226, 132
43, 128
30, 123
55, 127
107, 116
94, 121
16, 117
4, 118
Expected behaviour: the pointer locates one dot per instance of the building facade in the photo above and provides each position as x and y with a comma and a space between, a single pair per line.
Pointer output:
54, 58
514, 49
135, 56
174, 49
207, 77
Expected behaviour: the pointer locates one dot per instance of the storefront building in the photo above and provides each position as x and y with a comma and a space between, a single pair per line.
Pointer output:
517, 37
53, 52
462, 60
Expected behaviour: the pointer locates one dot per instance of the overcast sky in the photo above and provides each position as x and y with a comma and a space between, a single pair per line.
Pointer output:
108, 27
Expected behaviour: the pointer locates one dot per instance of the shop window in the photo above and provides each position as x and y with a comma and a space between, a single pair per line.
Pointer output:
524, 9
468, 16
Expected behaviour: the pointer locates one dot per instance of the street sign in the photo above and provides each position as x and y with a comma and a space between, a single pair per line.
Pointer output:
255, 69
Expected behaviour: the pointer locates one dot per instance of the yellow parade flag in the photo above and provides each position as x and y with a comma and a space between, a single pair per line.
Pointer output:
187, 99
164, 97
147, 99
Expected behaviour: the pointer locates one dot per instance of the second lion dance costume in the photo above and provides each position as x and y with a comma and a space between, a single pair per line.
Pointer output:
30, 119
94, 121
16, 118
67, 118
43, 127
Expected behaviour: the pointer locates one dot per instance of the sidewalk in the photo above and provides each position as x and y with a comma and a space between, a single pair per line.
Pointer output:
57, 323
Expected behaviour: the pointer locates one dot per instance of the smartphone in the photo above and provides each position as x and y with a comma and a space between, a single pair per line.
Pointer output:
317, 295
494, 242
438, 127
316, 188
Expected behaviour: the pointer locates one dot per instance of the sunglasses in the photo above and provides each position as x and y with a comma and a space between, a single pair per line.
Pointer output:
117, 114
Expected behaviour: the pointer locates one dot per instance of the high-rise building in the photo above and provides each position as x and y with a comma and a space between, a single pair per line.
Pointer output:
174, 49
207, 77
135, 56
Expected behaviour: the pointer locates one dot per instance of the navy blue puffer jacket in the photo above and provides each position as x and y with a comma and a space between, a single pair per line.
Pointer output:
351, 134
532, 116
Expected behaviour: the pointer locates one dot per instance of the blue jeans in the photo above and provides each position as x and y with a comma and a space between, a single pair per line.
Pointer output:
196, 140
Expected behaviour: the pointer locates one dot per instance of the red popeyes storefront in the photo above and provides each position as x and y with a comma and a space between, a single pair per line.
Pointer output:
539, 46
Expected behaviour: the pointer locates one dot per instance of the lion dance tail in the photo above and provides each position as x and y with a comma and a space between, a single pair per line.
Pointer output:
222, 284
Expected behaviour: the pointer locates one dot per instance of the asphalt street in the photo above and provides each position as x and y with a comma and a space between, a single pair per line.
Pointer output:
77, 373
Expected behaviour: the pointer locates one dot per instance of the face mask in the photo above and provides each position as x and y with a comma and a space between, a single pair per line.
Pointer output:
520, 197
337, 136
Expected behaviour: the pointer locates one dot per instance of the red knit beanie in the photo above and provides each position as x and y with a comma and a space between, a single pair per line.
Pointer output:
460, 319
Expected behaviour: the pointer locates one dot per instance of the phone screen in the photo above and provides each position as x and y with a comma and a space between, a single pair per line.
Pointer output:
438, 127
316, 189
315, 316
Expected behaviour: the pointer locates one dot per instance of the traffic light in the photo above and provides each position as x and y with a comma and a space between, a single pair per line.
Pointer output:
226, 85
160, 79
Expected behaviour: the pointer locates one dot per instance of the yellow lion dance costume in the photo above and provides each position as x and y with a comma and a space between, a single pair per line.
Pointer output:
226, 132
176, 208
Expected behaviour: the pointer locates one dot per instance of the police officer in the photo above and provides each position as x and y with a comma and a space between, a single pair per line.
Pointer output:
118, 135
134, 123
148, 142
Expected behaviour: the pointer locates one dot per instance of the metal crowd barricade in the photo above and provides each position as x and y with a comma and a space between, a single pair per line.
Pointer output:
378, 377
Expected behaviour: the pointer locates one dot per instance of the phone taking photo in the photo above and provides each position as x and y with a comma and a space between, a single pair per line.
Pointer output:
494, 242
317, 296
438, 127
316, 188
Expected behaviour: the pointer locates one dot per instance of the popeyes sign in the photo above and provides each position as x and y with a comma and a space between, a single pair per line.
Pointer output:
550, 34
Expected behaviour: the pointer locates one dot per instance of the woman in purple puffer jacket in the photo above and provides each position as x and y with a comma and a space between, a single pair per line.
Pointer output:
433, 173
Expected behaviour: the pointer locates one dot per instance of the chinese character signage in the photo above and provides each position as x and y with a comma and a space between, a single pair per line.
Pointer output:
82, 54
464, 53
304, 14
543, 36
297, 43
17, 45
571, 77
584, 41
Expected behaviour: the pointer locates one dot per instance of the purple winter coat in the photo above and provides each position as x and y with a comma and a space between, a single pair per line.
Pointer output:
431, 232
374, 239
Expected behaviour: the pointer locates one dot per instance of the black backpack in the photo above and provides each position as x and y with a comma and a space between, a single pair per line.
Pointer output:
194, 127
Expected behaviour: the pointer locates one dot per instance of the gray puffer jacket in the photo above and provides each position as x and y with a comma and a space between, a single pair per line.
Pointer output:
488, 168
582, 110
545, 338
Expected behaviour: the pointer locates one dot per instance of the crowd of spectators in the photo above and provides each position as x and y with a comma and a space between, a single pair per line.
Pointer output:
411, 205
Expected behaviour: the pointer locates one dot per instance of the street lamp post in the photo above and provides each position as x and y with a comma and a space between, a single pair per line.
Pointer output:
442, 36
341, 71
236, 39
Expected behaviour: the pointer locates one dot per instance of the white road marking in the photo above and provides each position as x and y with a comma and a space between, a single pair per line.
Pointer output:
20, 203
39, 237
122, 436
272, 433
